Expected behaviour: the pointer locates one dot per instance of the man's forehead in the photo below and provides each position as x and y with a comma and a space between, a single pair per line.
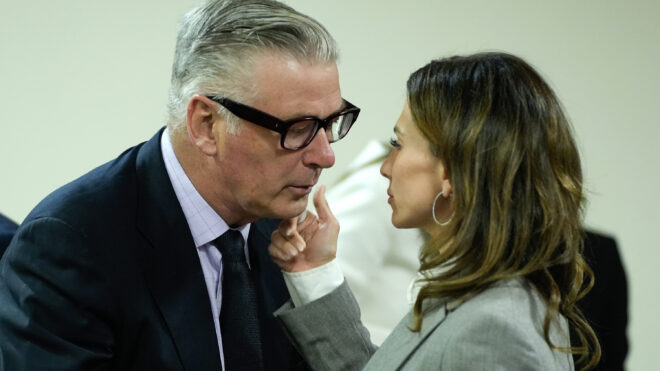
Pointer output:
285, 85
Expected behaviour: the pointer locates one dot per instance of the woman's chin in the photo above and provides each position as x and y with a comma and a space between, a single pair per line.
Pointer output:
400, 223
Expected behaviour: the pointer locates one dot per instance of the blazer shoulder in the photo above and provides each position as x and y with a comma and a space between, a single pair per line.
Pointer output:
106, 191
101, 185
513, 301
504, 326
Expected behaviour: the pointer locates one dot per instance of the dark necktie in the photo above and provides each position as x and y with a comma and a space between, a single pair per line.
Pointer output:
239, 325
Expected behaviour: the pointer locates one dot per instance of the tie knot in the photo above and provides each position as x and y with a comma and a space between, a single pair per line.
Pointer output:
230, 245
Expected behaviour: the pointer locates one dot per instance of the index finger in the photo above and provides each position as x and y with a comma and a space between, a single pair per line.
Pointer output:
321, 205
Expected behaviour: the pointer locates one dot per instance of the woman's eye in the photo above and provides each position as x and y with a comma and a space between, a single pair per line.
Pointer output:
394, 143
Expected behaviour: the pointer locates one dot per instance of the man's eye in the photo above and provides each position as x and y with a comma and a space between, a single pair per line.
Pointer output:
301, 127
395, 143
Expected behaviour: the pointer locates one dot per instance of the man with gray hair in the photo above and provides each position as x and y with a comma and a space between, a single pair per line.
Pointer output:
157, 260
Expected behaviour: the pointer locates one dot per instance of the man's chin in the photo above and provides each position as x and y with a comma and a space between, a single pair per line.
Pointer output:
292, 209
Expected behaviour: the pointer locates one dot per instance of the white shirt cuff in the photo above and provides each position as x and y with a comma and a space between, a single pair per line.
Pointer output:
305, 287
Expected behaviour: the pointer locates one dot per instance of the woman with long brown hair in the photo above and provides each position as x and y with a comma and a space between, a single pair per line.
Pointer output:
485, 163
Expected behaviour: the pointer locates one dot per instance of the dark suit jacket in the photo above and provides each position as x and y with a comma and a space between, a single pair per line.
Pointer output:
103, 274
7, 230
606, 305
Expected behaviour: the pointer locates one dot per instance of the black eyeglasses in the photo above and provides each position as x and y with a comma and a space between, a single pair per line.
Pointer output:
296, 133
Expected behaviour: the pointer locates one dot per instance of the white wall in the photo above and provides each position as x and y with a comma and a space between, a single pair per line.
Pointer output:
82, 80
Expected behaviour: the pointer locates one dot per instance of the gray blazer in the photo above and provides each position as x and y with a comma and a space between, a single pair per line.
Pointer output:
499, 329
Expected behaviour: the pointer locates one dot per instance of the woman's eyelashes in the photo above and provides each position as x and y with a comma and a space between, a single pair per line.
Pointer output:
394, 142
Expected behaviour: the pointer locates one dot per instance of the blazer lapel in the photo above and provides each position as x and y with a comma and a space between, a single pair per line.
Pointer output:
402, 344
172, 268
432, 321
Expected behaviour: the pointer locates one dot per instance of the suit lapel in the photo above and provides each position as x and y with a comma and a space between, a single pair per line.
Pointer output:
172, 268
269, 277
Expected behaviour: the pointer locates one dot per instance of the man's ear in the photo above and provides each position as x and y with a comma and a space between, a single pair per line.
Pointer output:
202, 115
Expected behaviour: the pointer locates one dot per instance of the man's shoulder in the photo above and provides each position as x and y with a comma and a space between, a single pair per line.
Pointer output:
101, 192
89, 192
7, 225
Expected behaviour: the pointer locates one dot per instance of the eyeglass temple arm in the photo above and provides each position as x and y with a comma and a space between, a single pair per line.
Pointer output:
251, 114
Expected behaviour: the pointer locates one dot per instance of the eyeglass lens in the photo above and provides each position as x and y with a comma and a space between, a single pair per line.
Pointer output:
302, 132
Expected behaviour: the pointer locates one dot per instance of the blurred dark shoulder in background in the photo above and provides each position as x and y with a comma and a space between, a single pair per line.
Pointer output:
7, 229
606, 305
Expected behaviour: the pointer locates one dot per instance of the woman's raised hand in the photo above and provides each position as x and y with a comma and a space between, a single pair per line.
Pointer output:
306, 241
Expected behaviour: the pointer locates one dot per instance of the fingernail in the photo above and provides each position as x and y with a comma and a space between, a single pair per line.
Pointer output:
300, 246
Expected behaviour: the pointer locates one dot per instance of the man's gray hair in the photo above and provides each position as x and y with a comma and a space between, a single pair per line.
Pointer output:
218, 41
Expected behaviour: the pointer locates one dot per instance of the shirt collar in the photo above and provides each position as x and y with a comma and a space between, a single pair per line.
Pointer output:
204, 223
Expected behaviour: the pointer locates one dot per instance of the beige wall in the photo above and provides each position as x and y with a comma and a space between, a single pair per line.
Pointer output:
82, 80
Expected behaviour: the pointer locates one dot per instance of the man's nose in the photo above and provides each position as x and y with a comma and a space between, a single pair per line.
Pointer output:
319, 153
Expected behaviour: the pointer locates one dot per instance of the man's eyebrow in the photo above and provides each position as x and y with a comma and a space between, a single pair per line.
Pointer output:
303, 115
342, 107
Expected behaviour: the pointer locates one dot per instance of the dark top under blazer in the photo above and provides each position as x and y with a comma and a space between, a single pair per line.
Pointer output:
103, 274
